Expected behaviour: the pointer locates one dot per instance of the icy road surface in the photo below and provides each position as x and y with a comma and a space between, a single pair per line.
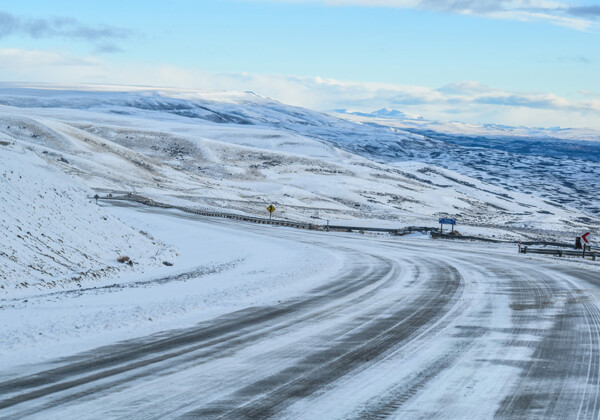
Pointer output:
402, 328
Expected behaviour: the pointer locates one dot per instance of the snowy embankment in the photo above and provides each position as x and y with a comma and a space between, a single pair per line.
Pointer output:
221, 268
54, 236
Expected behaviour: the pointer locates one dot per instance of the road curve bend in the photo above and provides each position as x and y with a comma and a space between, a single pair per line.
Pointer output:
403, 331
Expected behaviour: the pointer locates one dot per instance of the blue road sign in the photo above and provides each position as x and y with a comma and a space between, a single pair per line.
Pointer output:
447, 222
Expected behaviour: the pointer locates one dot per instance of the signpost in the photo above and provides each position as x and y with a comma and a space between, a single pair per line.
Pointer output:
270, 209
447, 222
585, 241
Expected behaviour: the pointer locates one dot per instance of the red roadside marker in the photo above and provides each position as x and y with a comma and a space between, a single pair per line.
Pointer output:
585, 237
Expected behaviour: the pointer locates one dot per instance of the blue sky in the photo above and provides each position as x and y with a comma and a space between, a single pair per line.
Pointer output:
519, 62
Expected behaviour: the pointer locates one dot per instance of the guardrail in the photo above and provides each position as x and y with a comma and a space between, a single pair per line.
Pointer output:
434, 231
560, 252
436, 234
277, 222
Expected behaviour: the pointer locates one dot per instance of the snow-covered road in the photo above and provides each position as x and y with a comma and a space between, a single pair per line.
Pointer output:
391, 327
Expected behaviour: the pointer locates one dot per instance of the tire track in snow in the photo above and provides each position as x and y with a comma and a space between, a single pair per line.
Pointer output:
233, 331
321, 368
534, 296
562, 379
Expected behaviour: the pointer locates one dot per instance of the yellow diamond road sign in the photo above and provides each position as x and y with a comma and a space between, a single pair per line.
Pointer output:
271, 208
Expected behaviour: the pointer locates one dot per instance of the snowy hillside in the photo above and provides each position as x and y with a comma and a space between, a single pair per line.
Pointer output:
52, 234
238, 152
561, 165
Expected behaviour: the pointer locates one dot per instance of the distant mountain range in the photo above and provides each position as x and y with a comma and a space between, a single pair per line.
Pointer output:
416, 123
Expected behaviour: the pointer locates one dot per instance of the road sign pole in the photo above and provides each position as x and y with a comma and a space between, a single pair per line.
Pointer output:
270, 209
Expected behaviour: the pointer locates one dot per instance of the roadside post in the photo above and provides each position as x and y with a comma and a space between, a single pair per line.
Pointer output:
270, 209
585, 241
519, 246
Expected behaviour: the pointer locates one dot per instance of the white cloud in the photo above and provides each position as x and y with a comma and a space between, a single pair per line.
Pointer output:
467, 101
561, 13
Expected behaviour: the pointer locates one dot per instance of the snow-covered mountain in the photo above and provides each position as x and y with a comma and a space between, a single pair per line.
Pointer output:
240, 152
560, 165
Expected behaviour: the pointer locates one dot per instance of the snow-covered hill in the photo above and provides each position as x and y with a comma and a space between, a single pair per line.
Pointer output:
560, 165
240, 152
53, 235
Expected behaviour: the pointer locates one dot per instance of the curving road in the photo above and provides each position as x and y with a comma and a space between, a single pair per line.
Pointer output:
403, 331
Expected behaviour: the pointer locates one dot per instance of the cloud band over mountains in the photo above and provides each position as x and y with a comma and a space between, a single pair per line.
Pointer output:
468, 101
